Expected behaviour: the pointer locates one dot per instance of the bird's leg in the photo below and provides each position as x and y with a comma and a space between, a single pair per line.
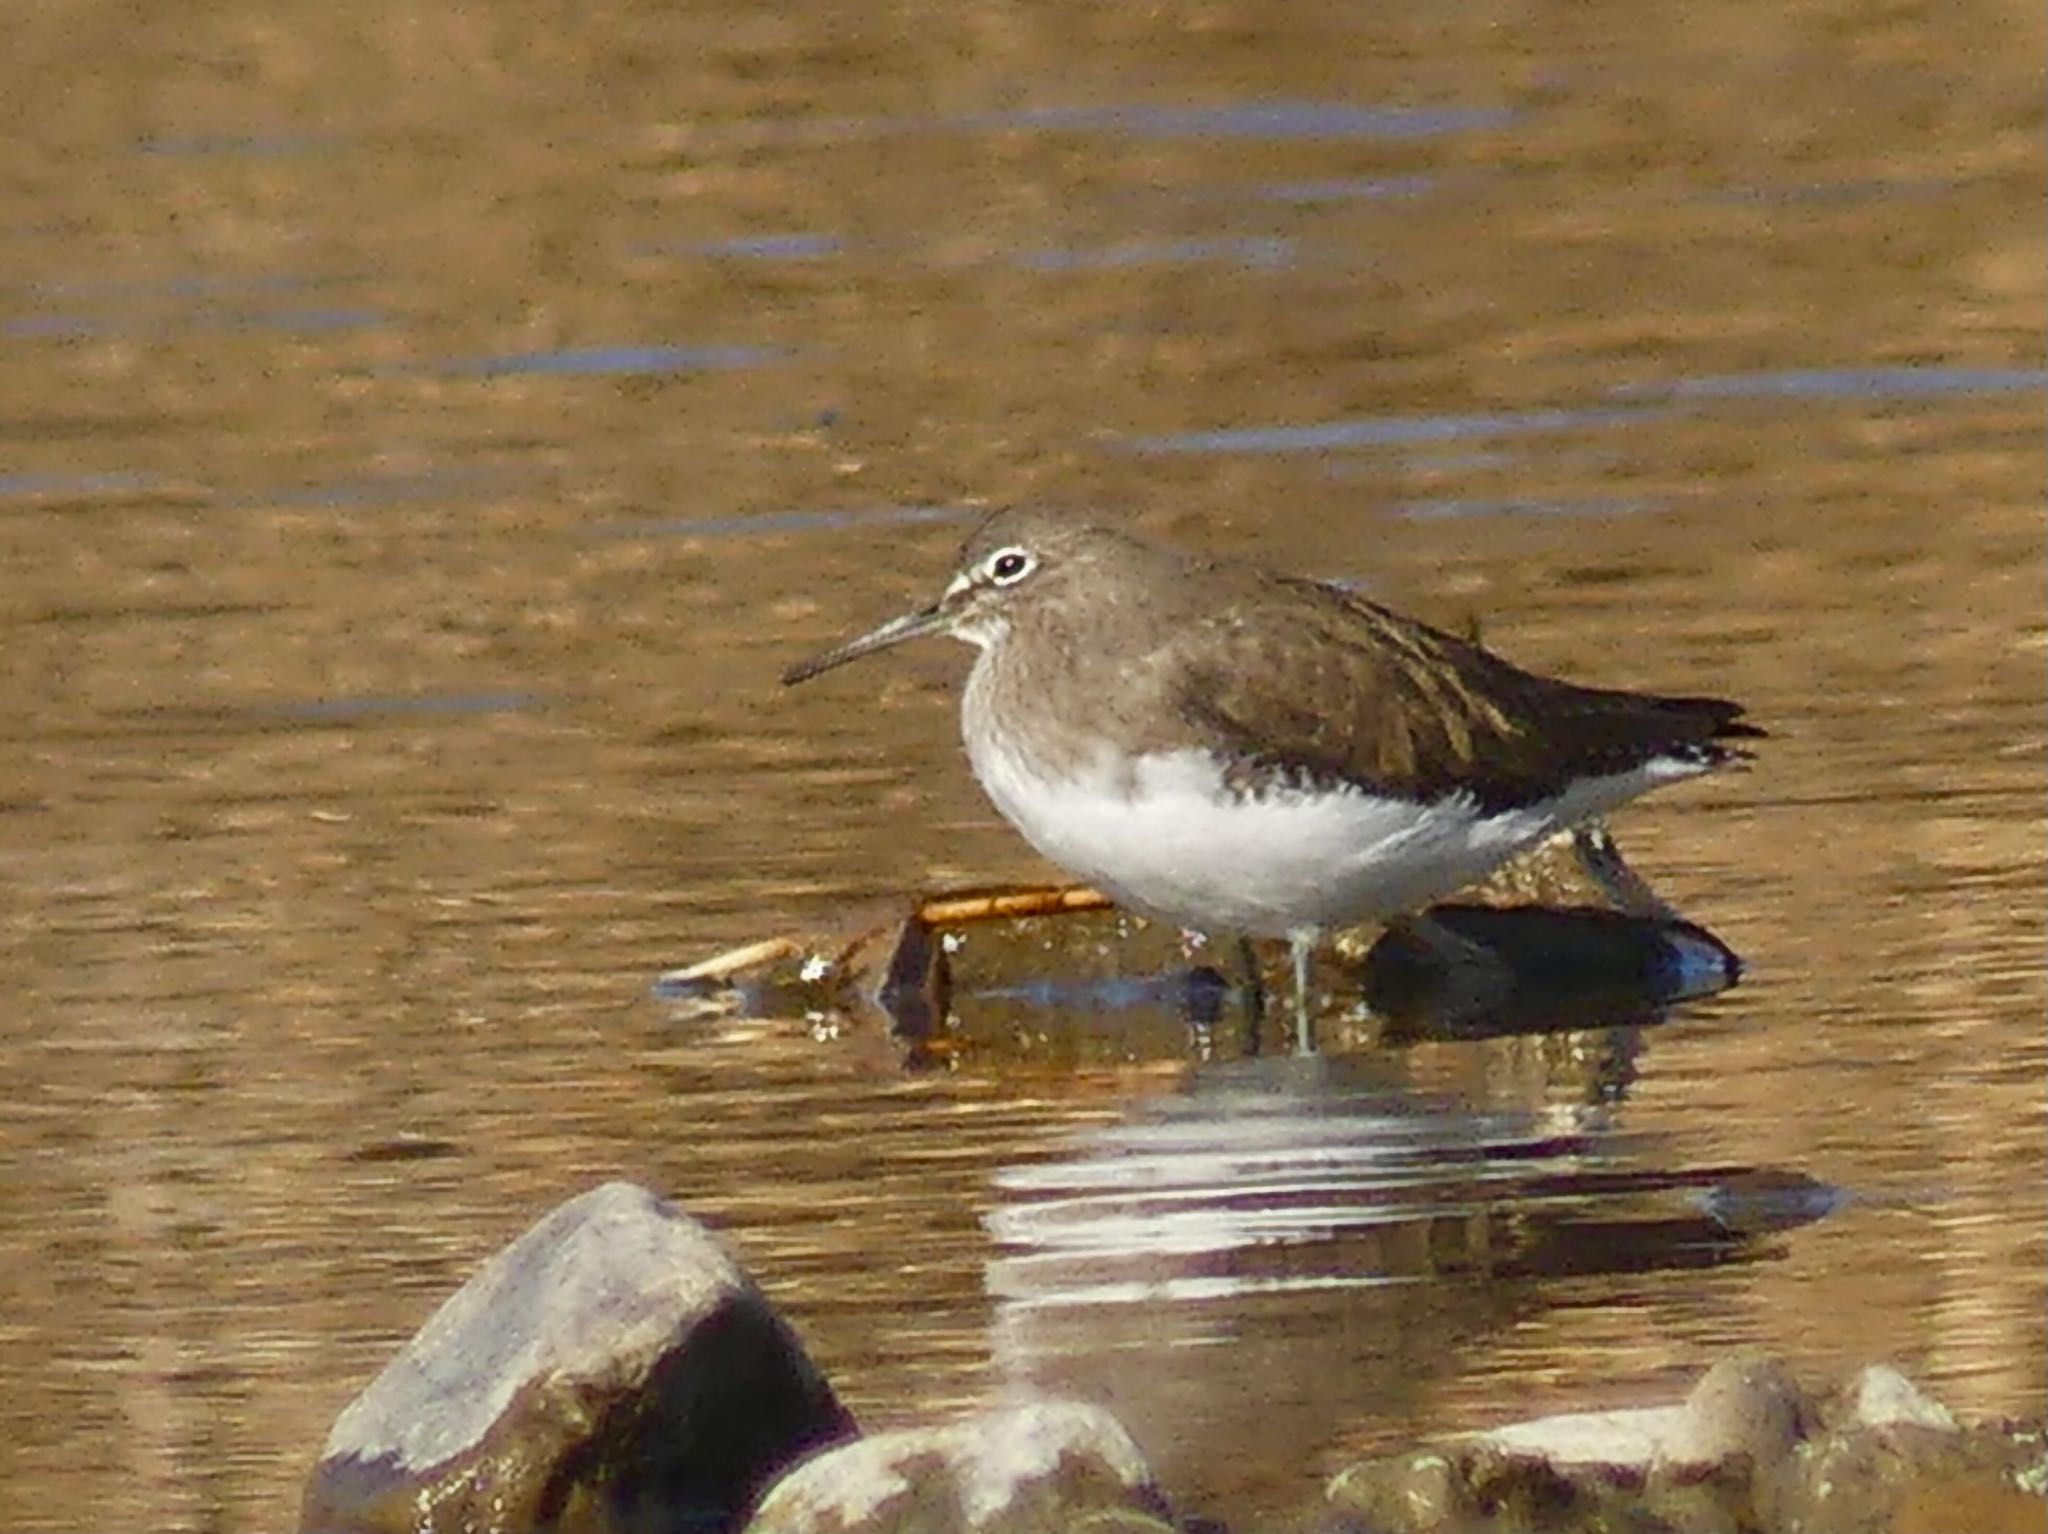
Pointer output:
1254, 980
1601, 862
1301, 946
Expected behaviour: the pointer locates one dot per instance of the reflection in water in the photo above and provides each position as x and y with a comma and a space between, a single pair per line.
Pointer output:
1323, 1231
1316, 1232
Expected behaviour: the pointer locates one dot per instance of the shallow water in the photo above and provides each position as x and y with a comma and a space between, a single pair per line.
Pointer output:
424, 439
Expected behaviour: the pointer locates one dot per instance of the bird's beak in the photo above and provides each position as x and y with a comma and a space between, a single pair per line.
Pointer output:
926, 620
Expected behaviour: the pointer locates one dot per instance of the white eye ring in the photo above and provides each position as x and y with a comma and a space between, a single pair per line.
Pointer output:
1008, 566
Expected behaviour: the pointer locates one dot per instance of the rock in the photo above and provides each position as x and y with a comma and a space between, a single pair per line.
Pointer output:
1882, 1397
1477, 1484
1746, 1453
1481, 971
611, 1370
1033, 1469
1745, 1406
1633, 1438
1409, 1491
1907, 1478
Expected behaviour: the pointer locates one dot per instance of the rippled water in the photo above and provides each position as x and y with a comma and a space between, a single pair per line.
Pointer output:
426, 438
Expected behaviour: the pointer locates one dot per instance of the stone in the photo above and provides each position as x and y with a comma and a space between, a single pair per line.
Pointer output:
1492, 970
1880, 1396
1632, 1438
612, 1371
1416, 1490
1485, 1481
1744, 1406
1032, 1469
1746, 1453
1908, 1478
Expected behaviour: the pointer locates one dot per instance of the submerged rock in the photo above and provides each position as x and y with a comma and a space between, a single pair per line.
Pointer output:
1033, 1469
1563, 938
1534, 969
613, 1369
1747, 1452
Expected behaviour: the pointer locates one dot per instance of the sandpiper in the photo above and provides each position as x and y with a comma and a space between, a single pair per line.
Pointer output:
1238, 751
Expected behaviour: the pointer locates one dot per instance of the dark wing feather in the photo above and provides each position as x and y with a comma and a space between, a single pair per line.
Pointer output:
1436, 715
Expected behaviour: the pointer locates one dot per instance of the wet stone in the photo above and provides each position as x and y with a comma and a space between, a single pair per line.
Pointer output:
1746, 1405
1033, 1469
611, 1370
1526, 952
1903, 1478
1748, 1452
1880, 1396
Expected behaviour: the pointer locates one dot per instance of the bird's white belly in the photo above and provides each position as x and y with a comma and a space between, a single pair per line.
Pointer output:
1165, 835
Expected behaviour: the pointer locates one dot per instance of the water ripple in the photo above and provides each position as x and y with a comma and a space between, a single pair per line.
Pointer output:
782, 521
607, 361
1385, 431
1267, 253
405, 704
1847, 383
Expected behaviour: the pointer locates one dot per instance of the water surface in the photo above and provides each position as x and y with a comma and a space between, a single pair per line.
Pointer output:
425, 438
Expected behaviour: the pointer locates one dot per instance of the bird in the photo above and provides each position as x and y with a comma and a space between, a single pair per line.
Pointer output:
1239, 751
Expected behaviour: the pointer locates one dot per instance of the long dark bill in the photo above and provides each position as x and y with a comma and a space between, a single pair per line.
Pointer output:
928, 620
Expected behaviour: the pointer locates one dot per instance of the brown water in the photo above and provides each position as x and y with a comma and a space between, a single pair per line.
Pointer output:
424, 437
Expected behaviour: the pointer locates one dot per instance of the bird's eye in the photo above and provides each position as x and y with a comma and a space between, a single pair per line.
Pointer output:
1010, 566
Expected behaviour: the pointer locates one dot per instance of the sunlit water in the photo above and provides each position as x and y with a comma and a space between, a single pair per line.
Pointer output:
427, 437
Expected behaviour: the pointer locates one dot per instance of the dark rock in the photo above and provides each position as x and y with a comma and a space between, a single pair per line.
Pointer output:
612, 1370
1035, 1469
1482, 971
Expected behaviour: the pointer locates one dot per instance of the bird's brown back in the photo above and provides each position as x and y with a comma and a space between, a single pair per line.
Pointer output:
1299, 683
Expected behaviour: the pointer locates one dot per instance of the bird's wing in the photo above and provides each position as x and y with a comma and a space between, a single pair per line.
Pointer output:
1327, 688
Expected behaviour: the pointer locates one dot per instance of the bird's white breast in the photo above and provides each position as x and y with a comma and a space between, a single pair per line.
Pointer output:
1165, 834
